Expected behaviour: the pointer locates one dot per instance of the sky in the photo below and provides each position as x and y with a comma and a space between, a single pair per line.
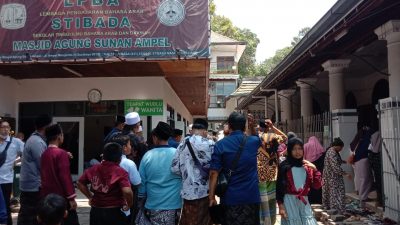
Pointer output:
275, 22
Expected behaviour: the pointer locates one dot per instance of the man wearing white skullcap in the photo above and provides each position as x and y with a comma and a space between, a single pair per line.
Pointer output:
131, 128
132, 124
132, 118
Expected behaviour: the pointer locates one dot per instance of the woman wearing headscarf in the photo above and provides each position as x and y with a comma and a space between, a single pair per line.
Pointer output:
283, 146
315, 153
333, 191
362, 169
290, 135
295, 178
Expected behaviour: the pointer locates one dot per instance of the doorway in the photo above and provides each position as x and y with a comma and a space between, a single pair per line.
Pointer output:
96, 128
73, 128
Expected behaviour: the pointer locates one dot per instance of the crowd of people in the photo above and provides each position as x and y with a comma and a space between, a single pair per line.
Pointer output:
256, 171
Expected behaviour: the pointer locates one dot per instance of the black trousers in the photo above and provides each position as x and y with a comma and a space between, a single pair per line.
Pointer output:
7, 189
29, 202
376, 165
108, 216
72, 218
242, 214
135, 207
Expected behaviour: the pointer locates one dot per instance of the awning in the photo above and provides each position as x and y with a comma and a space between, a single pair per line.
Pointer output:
188, 78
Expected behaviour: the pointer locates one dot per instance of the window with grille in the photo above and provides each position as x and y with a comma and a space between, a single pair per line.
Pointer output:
218, 91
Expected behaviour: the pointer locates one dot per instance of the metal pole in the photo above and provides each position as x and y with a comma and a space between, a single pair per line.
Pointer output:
302, 128
276, 101
276, 106
266, 107
266, 104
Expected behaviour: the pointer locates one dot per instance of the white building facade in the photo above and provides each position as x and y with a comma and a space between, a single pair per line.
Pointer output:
224, 77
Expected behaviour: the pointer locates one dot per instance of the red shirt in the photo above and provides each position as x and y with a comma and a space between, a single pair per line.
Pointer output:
55, 174
313, 180
107, 180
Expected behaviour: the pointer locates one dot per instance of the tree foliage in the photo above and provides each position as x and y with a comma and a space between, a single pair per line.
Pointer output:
212, 8
302, 33
247, 64
269, 64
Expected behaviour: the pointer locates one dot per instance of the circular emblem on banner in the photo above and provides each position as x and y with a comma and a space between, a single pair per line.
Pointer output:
13, 16
171, 12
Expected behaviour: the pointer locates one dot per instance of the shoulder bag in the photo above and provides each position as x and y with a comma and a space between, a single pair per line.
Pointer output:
3, 155
223, 178
217, 212
197, 163
350, 159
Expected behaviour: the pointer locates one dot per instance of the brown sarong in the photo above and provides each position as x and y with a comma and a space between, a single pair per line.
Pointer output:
195, 212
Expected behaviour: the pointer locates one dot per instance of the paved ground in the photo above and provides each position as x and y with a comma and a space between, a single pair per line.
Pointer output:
84, 209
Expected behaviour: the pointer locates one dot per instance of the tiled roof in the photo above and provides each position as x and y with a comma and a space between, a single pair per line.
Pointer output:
224, 76
218, 38
245, 88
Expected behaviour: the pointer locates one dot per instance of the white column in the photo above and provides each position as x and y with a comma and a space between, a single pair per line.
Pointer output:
286, 104
391, 33
390, 119
336, 68
344, 125
306, 95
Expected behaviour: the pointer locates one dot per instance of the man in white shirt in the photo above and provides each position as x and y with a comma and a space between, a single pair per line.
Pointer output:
130, 167
10, 149
127, 164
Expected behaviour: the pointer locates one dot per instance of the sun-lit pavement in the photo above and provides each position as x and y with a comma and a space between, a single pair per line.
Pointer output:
84, 211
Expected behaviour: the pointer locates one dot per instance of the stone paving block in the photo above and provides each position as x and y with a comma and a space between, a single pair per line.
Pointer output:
316, 206
331, 222
325, 216
337, 217
332, 212
318, 213
353, 223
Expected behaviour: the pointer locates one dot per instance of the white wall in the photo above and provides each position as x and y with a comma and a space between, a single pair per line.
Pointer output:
217, 112
231, 105
8, 93
223, 112
172, 99
119, 88
76, 89
362, 88
218, 52
215, 52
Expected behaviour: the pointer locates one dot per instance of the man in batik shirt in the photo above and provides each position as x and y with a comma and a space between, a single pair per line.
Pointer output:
192, 163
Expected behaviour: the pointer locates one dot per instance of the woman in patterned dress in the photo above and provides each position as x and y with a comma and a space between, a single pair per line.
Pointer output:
267, 166
295, 178
333, 192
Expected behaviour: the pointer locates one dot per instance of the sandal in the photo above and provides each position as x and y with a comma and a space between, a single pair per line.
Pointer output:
352, 219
